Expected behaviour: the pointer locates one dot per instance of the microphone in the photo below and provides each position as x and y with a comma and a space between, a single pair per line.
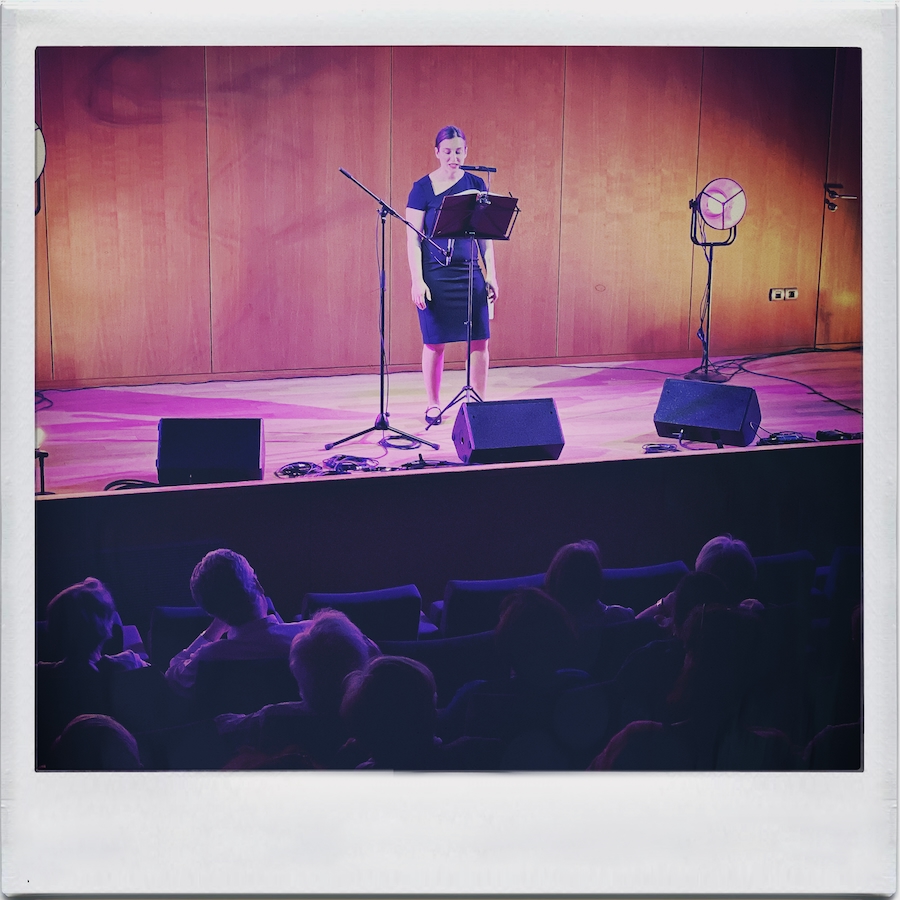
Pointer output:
478, 168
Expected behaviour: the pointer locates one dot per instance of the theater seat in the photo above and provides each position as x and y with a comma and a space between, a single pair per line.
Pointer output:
391, 614
473, 606
785, 578
641, 586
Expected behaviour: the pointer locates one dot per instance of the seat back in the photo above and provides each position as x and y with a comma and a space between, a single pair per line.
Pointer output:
453, 661
242, 685
785, 578
606, 647
641, 586
391, 614
474, 606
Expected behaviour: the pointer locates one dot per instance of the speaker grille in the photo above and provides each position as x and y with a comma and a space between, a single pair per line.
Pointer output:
707, 411
508, 431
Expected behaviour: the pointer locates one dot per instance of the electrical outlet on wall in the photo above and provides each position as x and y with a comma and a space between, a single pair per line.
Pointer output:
776, 293
791, 293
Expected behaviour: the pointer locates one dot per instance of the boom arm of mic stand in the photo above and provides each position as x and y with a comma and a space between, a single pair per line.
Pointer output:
396, 215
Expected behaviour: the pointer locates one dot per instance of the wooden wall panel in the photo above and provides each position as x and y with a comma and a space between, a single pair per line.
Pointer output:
127, 213
293, 259
764, 122
630, 143
176, 250
840, 291
508, 101
43, 352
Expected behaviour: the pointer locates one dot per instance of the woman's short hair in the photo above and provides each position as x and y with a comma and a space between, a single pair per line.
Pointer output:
80, 619
95, 743
390, 708
447, 133
732, 561
225, 585
575, 575
324, 655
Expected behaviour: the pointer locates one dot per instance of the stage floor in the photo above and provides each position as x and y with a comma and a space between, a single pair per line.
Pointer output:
95, 436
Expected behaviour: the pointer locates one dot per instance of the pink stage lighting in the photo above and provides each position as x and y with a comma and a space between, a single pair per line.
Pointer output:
722, 203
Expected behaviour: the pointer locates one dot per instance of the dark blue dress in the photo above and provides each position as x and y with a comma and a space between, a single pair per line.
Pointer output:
443, 321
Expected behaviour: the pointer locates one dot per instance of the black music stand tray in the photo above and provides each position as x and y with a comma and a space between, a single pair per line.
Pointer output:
478, 216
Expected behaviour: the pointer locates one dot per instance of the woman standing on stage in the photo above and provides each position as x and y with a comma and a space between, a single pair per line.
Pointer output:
440, 289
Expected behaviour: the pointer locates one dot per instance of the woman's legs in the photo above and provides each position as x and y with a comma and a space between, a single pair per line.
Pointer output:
432, 369
479, 366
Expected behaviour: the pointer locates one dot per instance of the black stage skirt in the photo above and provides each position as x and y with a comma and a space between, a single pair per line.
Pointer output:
443, 321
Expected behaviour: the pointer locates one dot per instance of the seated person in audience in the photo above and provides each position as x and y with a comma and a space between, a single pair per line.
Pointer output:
575, 579
648, 675
707, 727
80, 621
538, 644
728, 559
224, 584
390, 711
321, 658
94, 743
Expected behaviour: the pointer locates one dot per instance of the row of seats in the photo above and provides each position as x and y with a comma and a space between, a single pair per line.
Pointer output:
472, 606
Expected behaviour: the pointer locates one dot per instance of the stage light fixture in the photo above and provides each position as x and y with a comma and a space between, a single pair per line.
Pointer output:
720, 205
40, 456
40, 159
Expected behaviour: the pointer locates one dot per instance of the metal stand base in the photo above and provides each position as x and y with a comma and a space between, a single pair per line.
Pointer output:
465, 395
706, 376
381, 424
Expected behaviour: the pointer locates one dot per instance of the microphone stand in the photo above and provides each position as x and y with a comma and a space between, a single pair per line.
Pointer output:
381, 420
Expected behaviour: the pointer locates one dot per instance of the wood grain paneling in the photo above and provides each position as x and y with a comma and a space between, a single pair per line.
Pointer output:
840, 292
197, 224
43, 354
764, 122
508, 101
127, 213
630, 148
293, 251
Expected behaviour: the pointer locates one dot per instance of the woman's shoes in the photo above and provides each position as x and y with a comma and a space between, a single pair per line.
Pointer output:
433, 415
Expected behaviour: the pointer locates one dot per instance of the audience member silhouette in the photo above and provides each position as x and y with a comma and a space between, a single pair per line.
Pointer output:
321, 658
225, 585
390, 711
729, 560
94, 743
80, 621
575, 580
536, 642
648, 675
707, 728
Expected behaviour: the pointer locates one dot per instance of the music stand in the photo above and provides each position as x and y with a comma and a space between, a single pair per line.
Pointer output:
478, 216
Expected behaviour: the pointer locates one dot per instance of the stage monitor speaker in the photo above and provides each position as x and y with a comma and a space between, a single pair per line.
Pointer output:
210, 451
498, 431
707, 411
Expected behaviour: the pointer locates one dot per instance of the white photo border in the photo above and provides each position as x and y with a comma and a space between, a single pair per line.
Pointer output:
339, 833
